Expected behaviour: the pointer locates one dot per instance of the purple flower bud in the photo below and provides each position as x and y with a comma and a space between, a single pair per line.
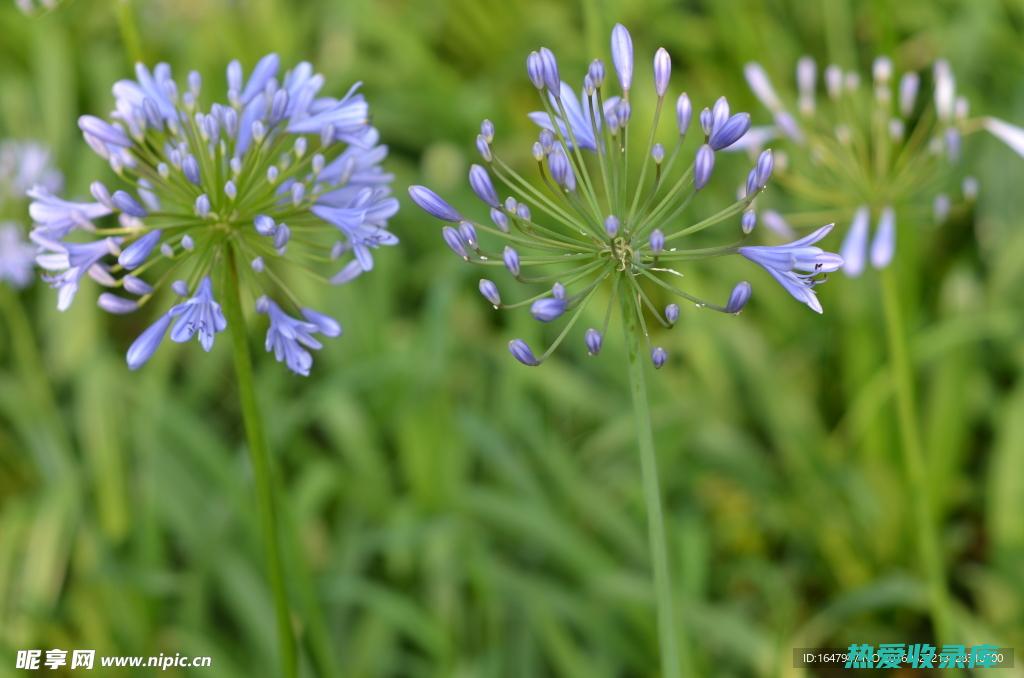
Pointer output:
104, 131
511, 258
788, 125
433, 204
706, 121
561, 170
102, 195
454, 241
549, 66
941, 207
765, 164
751, 188
662, 71
202, 206
658, 357
187, 243
143, 348
487, 130
523, 211
806, 74
490, 292
703, 166
257, 265
611, 226
952, 137
547, 139
883, 246
748, 221
658, 153
547, 309
521, 352
298, 192
500, 219
535, 69
833, 81
623, 111
558, 291
111, 303
481, 183
127, 204
136, 286
855, 243
672, 313
719, 113
970, 188
538, 151
909, 84
190, 168
881, 70
657, 241
468, 233
731, 131
134, 255
484, 148
739, 297
327, 325
622, 56
593, 340
596, 73
684, 112
264, 225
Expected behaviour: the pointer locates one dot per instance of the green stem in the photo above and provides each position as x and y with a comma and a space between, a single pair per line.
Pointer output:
914, 460
129, 31
261, 465
652, 494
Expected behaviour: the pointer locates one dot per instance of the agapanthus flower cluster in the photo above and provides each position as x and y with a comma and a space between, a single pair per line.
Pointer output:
22, 164
598, 219
865, 152
275, 177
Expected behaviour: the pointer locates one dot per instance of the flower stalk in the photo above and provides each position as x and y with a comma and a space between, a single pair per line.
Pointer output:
668, 634
925, 525
259, 456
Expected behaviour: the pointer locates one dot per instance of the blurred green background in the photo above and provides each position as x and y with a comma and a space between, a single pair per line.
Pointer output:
452, 513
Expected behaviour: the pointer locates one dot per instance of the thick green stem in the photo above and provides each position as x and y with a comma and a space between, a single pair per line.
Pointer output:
914, 460
667, 632
261, 465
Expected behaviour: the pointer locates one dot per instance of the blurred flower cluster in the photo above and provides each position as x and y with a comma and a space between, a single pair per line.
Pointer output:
23, 164
591, 221
275, 177
865, 152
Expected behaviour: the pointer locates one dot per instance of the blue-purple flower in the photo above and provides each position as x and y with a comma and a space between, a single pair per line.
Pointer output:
590, 230
798, 266
274, 177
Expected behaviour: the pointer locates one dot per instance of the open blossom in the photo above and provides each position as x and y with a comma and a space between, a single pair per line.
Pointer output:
590, 229
898, 151
22, 164
272, 178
